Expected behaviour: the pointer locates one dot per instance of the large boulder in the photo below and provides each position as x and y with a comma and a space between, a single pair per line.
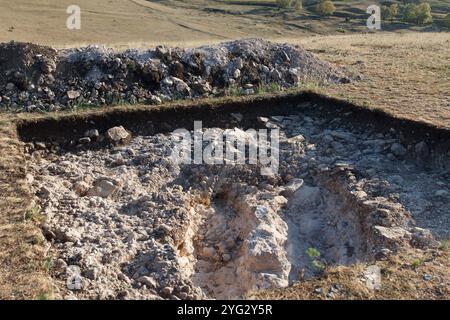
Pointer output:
105, 188
118, 135
175, 87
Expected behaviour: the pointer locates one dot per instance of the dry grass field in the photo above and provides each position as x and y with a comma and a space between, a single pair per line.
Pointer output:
23, 270
126, 23
142, 23
406, 74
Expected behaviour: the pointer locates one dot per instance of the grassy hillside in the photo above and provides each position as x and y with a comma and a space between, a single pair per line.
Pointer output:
139, 23
350, 16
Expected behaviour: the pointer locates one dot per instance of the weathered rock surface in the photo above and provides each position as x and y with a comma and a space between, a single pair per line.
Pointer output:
104, 188
118, 135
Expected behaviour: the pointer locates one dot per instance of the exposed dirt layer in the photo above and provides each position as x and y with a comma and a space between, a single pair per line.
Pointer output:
136, 224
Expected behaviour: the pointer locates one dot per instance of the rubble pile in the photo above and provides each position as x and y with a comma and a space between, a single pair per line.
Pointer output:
39, 78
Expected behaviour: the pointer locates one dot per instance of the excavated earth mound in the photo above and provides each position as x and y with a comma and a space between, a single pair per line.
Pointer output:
38, 78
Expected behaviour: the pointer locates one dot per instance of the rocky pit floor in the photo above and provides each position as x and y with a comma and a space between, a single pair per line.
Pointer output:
139, 226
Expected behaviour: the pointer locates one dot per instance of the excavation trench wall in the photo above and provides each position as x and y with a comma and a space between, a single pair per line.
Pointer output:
161, 119
225, 231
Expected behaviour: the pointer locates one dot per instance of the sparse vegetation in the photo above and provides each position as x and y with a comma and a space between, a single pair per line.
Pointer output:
325, 8
48, 263
318, 265
34, 214
417, 14
191, 30
395, 94
44, 296
389, 12
298, 6
446, 21
314, 255
393, 10
284, 4
445, 245
398, 282
288, 4
424, 13
313, 252
417, 263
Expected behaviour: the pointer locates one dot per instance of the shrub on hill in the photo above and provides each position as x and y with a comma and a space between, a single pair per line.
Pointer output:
417, 14
446, 21
287, 4
423, 12
284, 4
298, 6
326, 8
389, 12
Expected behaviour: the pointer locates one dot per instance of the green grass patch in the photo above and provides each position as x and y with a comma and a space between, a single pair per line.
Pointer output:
49, 263
34, 214
44, 296
418, 262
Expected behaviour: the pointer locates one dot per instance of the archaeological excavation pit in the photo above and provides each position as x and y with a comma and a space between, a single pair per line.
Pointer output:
127, 222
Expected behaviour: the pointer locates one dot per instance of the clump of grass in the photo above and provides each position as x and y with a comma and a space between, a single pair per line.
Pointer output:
83, 105
311, 85
44, 296
48, 263
38, 239
314, 254
269, 88
418, 262
445, 245
234, 91
284, 4
34, 214
318, 265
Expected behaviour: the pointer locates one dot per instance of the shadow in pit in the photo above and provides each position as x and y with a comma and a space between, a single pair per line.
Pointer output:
146, 120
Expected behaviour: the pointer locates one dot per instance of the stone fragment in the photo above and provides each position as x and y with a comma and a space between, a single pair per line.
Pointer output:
398, 150
73, 94
104, 188
118, 135
292, 187
149, 282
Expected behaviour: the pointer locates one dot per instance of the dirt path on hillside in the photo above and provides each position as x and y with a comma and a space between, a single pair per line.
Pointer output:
130, 23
